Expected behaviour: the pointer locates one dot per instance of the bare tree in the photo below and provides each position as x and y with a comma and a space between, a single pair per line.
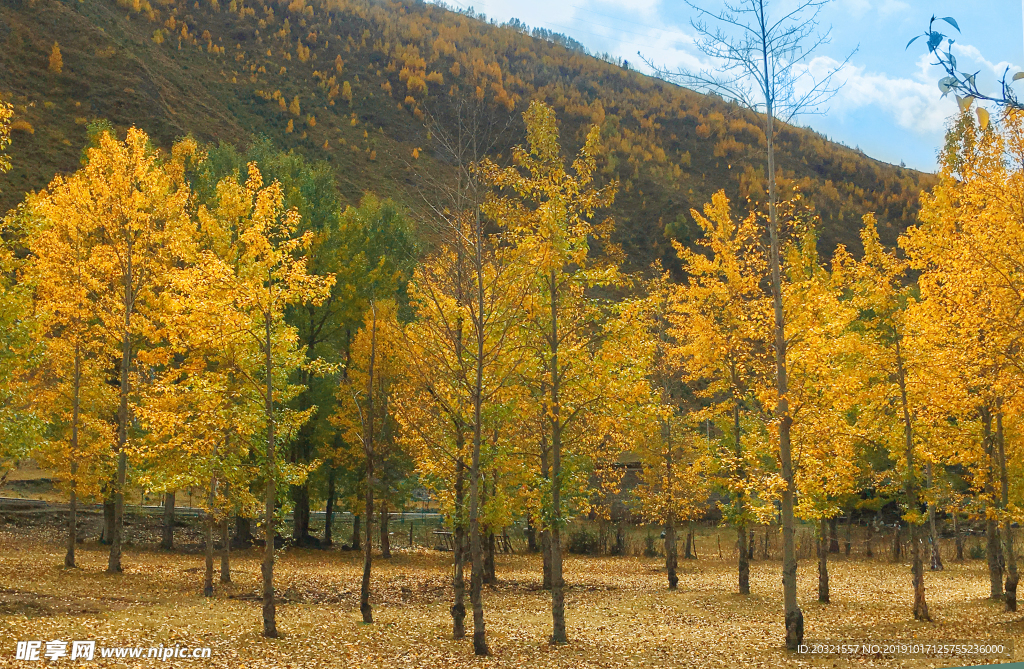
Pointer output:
761, 58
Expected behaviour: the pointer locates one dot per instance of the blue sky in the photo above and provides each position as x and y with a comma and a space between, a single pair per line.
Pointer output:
890, 106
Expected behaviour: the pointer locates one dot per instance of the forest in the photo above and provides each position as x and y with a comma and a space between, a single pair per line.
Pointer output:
611, 447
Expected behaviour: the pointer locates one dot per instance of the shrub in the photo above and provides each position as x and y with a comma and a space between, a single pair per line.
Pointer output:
976, 552
583, 542
23, 126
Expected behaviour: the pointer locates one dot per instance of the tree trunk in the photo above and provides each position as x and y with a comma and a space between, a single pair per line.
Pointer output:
958, 537
329, 511
357, 540
751, 544
833, 535
107, 533
690, 553
910, 487
545, 535
364, 587
823, 552
385, 536
531, 536
871, 535
794, 618
300, 514
225, 552
933, 534
167, 541
490, 577
744, 560
1007, 531
558, 635
270, 495
897, 544
114, 559
458, 609
69, 557
995, 569
671, 553
620, 538
243, 532
208, 532
848, 541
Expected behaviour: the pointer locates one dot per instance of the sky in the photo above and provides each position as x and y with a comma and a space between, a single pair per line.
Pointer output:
889, 105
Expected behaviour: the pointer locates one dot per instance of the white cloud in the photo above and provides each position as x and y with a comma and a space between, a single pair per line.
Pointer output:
914, 104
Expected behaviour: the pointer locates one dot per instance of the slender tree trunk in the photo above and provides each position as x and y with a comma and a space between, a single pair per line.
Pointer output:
208, 580
364, 588
225, 552
368, 452
545, 535
933, 534
490, 577
671, 552
794, 617
995, 570
1007, 531
741, 528
531, 535
871, 535
554, 409
329, 511
458, 609
480, 647
958, 537
897, 543
107, 533
300, 514
243, 532
357, 540
270, 495
69, 556
744, 560
910, 486
167, 541
114, 560
385, 536
690, 555
848, 541
833, 534
823, 552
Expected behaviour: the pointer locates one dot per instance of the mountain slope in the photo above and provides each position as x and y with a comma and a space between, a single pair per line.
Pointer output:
351, 82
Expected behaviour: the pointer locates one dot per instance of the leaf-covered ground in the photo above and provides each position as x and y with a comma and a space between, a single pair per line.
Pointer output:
619, 611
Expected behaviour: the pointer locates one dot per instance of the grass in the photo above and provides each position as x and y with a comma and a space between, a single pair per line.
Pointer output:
619, 611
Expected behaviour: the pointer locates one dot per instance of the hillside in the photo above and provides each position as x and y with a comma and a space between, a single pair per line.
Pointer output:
350, 82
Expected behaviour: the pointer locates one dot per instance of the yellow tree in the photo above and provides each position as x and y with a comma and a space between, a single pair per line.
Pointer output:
365, 409
254, 270
721, 320
136, 213
74, 389
891, 370
823, 391
6, 112
673, 476
575, 370
968, 248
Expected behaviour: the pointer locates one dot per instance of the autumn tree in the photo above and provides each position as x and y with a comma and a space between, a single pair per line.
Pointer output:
574, 369
56, 60
892, 369
138, 215
967, 247
366, 413
255, 269
720, 319
73, 388
763, 54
